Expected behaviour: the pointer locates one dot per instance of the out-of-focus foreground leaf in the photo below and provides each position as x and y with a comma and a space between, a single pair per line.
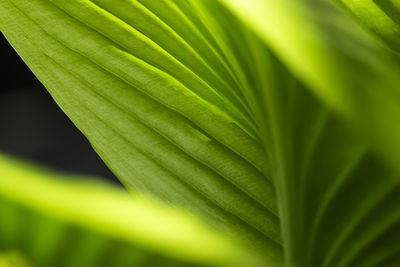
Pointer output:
47, 219
146, 84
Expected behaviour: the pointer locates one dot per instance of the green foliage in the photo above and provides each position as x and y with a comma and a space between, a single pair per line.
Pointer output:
47, 219
156, 134
275, 121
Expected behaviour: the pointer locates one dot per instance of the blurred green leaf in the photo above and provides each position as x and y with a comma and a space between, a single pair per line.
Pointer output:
49, 219
13, 259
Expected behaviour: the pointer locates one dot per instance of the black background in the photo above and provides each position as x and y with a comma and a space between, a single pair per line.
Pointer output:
32, 125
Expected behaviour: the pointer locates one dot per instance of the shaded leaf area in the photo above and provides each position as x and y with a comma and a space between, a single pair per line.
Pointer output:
46, 220
386, 18
343, 65
338, 203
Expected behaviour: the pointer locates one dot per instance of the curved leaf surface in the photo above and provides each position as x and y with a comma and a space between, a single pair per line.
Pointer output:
160, 116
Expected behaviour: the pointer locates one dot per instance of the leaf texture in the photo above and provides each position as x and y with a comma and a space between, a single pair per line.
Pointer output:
164, 121
385, 22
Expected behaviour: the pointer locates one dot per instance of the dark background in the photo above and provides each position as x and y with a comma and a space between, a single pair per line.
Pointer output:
33, 127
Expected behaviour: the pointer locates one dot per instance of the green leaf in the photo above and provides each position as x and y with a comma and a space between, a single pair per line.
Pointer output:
212, 105
338, 61
49, 219
386, 18
167, 118
338, 203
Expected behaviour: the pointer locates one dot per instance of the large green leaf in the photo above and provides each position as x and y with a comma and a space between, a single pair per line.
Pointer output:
183, 100
157, 110
49, 219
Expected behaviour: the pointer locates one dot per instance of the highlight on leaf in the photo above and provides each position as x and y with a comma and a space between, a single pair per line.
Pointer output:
50, 219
